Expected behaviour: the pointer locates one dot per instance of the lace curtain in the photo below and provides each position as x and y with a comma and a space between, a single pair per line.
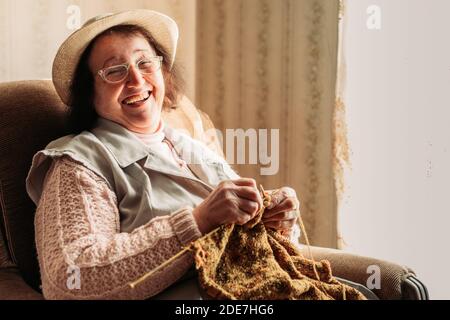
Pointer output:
265, 64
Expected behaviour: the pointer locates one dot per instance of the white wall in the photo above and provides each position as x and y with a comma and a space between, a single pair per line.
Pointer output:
397, 205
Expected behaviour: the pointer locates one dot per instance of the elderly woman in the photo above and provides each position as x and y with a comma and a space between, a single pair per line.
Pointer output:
125, 192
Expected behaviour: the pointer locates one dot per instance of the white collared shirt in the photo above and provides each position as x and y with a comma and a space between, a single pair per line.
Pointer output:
158, 143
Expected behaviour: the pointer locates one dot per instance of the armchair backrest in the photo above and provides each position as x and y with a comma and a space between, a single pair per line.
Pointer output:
32, 115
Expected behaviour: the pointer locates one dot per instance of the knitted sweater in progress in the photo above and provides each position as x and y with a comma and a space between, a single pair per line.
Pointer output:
82, 253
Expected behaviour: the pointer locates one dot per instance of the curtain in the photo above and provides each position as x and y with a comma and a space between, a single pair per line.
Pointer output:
265, 64
341, 146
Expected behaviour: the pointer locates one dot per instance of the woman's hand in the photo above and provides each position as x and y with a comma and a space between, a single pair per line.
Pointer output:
283, 212
233, 201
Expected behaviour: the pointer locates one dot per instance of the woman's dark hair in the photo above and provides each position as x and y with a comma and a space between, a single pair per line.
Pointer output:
82, 112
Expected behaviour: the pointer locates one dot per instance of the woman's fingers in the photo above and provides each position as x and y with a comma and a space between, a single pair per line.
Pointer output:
287, 215
248, 206
249, 197
243, 217
277, 196
238, 201
283, 213
287, 204
249, 193
280, 225
249, 182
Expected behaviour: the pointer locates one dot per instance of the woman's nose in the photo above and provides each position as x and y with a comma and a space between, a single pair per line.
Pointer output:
135, 77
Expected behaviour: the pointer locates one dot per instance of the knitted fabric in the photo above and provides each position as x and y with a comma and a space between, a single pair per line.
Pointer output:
236, 262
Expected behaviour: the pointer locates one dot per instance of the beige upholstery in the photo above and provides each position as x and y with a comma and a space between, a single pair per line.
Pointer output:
393, 284
32, 115
13, 287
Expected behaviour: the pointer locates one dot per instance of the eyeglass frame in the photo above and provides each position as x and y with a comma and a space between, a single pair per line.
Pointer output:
101, 72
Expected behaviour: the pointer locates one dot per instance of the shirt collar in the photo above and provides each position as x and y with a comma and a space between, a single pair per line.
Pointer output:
123, 144
127, 148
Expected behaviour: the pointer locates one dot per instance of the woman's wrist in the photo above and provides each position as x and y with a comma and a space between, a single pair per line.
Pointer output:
199, 220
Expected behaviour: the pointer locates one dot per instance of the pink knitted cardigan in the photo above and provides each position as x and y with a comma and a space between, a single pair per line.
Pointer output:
82, 253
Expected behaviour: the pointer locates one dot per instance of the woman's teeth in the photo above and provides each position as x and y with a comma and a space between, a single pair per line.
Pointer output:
137, 98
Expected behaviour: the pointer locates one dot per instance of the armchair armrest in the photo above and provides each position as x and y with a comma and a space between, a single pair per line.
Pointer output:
13, 287
396, 281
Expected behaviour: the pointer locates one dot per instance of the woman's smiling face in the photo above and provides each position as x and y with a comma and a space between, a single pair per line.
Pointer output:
136, 102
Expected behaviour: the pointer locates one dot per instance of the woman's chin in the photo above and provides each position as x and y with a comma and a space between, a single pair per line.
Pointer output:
145, 120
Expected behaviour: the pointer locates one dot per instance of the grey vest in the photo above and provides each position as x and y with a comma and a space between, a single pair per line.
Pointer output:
146, 183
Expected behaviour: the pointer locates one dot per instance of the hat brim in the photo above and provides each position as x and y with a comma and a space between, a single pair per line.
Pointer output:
162, 28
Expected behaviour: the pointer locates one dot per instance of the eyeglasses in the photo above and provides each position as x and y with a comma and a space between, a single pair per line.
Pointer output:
116, 74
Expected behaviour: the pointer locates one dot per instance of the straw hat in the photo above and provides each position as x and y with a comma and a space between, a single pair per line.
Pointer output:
161, 27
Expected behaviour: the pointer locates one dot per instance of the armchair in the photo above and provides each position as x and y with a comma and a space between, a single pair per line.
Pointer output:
31, 115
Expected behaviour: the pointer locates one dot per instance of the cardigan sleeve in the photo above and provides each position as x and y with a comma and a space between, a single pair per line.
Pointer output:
82, 253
